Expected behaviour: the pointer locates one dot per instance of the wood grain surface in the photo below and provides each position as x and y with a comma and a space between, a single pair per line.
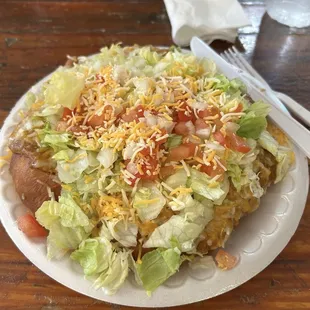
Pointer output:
36, 36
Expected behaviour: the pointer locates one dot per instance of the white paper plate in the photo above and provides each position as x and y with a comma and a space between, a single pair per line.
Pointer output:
258, 239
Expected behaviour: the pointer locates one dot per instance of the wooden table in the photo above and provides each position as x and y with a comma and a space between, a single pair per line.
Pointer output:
36, 36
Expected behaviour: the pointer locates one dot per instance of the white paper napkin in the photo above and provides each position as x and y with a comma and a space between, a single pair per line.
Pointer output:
207, 19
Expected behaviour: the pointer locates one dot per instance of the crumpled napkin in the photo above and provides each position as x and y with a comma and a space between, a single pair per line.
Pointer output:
207, 19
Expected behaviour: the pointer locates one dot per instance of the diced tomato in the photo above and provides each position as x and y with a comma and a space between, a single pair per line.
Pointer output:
218, 123
186, 114
181, 129
232, 141
166, 171
219, 137
239, 108
182, 151
225, 260
133, 181
209, 111
133, 114
175, 116
145, 151
151, 165
130, 116
184, 128
67, 112
238, 143
30, 227
201, 124
140, 111
212, 172
97, 120
161, 141
203, 129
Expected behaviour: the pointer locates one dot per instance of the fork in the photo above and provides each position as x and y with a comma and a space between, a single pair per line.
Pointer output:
234, 57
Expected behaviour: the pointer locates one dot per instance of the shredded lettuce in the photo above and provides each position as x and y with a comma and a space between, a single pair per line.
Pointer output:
103, 176
199, 213
71, 215
66, 211
251, 126
49, 111
48, 213
177, 226
112, 279
67, 224
104, 231
54, 139
174, 243
151, 57
62, 155
70, 170
200, 184
246, 176
254, 183
268, 142
88, 184
229, 85
107, 157
92, 159
125, 233
144, 85
57, 139
233, 99
177, 179
62, 239
30, 99
120, 74
148, 201
117, 186
181, 201
209, 66
284, 159
94, 255
173, 141
134, 269
184, 228
157, 266
243, 159
259, 108
64, 88
225, 188
254, 122
282, 154
235, 173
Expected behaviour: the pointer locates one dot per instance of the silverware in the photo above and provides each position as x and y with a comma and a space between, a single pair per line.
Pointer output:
234, 57
298, 133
